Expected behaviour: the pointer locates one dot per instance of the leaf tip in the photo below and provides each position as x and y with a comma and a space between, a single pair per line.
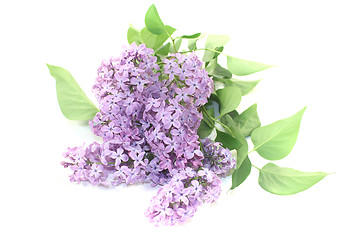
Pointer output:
50, 67
303, 110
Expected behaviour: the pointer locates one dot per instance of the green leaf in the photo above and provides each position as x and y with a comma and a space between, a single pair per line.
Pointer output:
219, 49
242, 152
177, 45
286, 181
204, 129
230, 98
133, 35
227, 140
245, 86
148, 38
212, 108
248, 120
210, 66
192, 44
160, 39
74, 103
153, 21
275, 141
234, 115
155, 41
213, 105
217, 70
213, 42
242, 67
241, 173
163, 50
208, 55
226, 81
196, 35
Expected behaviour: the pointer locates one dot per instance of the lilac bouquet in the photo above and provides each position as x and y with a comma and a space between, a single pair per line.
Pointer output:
158, 109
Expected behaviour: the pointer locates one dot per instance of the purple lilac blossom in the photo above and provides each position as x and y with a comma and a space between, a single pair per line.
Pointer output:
178, 200
149, 115
217, 158
148, 121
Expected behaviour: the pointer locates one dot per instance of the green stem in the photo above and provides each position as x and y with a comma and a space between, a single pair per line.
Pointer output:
172, 40
256, 167
207, 115
252, 151
224, 126
208, 122
201, 148
216, 120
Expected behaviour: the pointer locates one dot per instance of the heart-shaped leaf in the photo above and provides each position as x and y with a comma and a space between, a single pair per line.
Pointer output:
248, 120
163, 50
245, 86
242, 151
275, 141
221, 72
155, 41
242, 67
240, 174
133, 35
230, 98
74, 103
153, 21
227, 140
286, 181
204, 129
213, 42
214, 104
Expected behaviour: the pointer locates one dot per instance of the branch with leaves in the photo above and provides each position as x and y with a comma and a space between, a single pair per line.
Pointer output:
219, 115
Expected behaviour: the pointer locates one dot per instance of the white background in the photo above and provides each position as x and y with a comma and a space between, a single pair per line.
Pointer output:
316, 49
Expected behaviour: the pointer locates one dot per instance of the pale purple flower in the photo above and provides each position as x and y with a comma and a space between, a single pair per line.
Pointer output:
164, 210
170, 144
217, 158
182, 195
119, 157
183, 94
206, 173
139, 82
152, 103
170, 120
196, 187
96, 170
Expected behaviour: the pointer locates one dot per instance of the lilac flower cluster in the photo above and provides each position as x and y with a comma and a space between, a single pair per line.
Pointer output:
177, 201
148, 120
148, 116
216, 158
